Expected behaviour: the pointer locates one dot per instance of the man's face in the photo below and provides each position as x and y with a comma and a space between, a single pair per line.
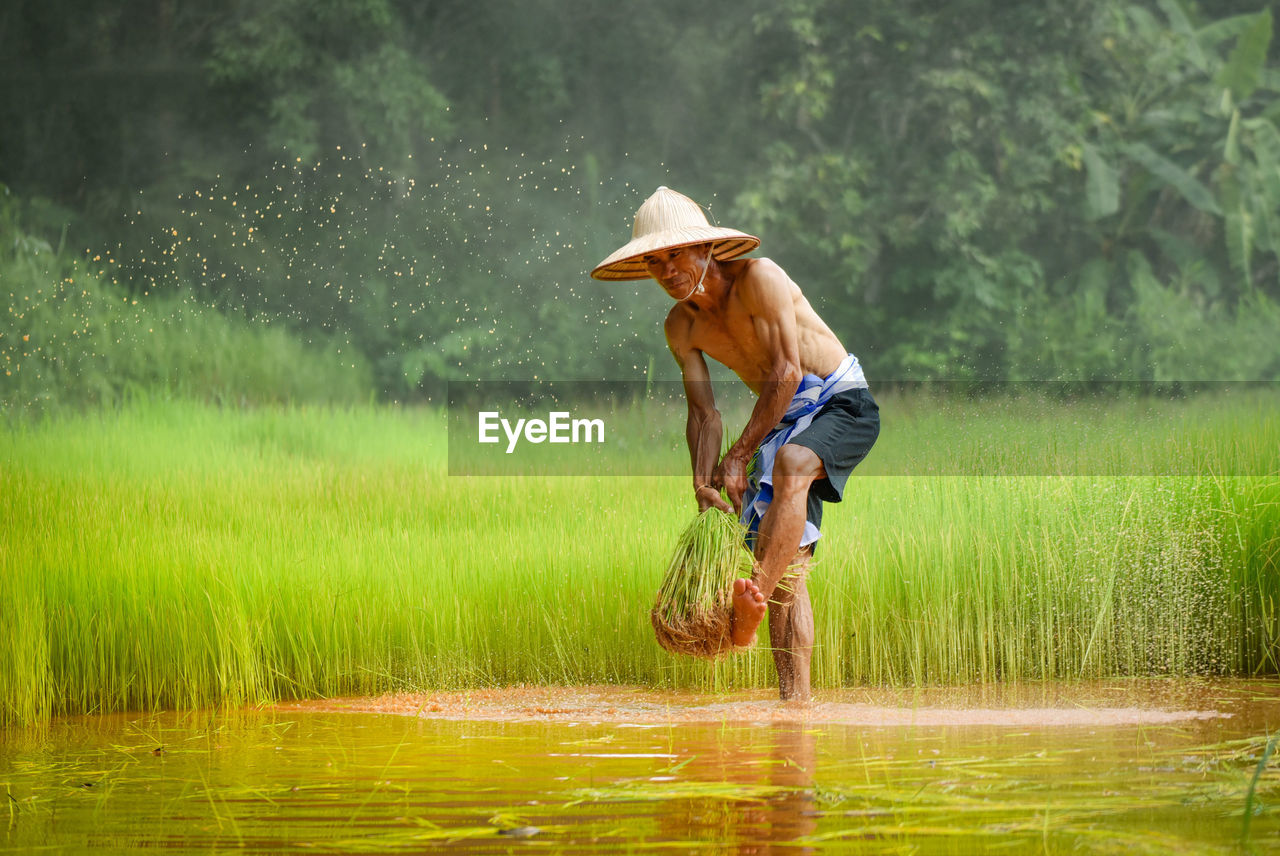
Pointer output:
678, 271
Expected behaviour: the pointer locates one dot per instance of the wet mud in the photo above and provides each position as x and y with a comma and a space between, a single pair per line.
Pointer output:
1099, 704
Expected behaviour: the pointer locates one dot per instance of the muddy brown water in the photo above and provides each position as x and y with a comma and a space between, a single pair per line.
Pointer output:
1132, 766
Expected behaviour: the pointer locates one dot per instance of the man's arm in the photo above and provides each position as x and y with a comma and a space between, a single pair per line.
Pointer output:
703, 429
766, 293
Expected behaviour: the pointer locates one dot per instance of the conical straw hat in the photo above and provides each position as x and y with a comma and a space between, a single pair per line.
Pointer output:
666, 221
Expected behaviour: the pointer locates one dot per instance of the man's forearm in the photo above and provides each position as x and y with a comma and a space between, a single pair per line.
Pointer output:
770, 407
704, 433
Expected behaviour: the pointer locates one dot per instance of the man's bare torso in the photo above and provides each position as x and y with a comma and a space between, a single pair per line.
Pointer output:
729, 333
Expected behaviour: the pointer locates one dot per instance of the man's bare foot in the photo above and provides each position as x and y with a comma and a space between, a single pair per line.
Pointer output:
749, 609
795, 700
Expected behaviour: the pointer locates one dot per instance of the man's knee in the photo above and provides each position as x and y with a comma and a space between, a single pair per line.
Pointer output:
798, 464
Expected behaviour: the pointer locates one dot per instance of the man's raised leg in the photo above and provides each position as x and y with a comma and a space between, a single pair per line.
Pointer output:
794, 470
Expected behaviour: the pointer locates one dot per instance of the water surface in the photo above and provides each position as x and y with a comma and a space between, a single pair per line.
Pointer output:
624, 770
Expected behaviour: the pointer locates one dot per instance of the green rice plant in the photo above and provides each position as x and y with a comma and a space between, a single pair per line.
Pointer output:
693, 611
174, 554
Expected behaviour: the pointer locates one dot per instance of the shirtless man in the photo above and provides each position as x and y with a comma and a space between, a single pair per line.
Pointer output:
813, 420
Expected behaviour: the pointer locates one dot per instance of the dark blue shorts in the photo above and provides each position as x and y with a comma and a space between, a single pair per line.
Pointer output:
841, 435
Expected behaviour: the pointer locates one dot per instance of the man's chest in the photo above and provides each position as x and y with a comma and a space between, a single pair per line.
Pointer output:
729, 337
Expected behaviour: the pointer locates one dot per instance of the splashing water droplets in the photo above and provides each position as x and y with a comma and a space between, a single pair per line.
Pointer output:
376, 254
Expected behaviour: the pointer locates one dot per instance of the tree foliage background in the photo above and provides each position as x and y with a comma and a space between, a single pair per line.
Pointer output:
1074, 189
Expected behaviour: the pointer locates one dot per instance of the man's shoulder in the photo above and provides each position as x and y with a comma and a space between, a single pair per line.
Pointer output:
761, 277
762, 267
678, 323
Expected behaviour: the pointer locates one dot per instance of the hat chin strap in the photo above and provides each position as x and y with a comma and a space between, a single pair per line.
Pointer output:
698, 287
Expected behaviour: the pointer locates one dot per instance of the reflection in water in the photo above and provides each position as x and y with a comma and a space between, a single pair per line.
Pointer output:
757, 795
790, 814
293, 780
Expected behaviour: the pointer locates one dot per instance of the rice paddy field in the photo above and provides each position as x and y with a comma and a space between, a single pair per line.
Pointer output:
179, 555
169, 570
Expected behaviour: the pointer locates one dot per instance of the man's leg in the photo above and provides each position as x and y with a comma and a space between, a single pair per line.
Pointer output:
794, 469
791, 631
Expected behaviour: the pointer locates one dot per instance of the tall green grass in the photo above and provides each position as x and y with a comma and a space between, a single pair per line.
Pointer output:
184, 555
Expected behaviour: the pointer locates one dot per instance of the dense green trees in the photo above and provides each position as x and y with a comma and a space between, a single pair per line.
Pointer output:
1062, 190
1071, 189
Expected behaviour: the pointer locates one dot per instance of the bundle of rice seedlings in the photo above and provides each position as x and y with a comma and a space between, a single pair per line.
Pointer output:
693, 612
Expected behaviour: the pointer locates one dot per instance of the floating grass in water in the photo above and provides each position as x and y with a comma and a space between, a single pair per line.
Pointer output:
693, 613
1251, 793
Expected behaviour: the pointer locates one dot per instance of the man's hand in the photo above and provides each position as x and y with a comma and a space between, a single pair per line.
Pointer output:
732, 473
709, 497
